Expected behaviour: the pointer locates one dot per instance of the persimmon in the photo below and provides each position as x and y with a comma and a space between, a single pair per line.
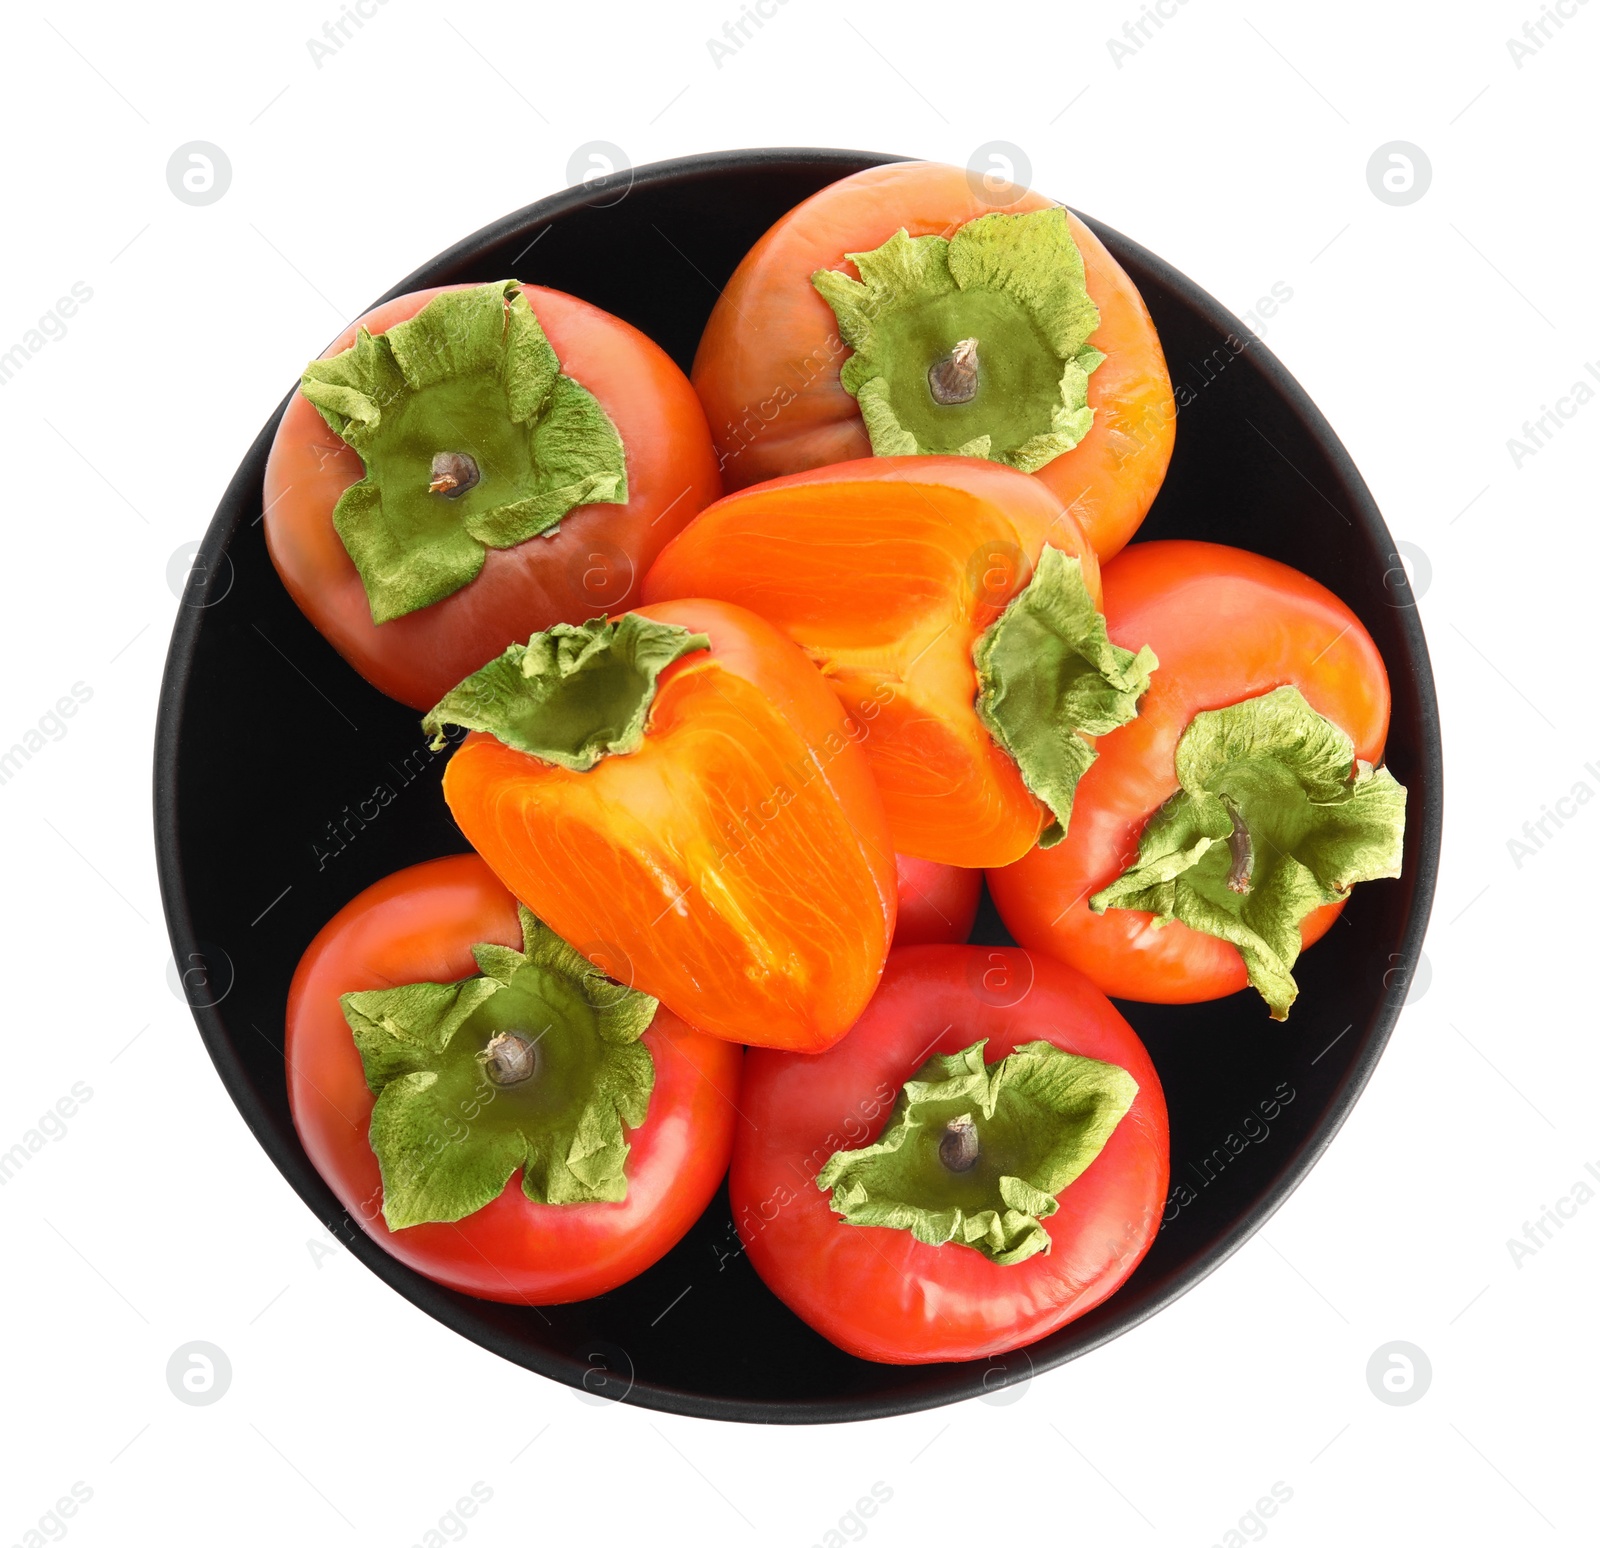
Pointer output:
678, 794
490, 1109
912, 308
1219, 834
937, 903
467, 464
981, 1161
951, 605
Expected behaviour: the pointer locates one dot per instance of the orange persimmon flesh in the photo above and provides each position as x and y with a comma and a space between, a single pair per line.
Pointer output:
737, 866
886, 571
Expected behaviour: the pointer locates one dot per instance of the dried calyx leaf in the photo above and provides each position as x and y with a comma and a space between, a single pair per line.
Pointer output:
534, 1064
1049, 677
472, 438
1274, 817
977, 1154
974, 345
574, 694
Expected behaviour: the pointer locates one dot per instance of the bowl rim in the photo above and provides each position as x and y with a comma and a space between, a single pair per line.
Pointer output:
965, 1380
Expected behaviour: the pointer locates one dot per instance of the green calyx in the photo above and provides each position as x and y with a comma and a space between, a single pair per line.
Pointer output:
974, 345
1048, 676
977, 1154
472, 439
535, 1064
1275, 816
572, 695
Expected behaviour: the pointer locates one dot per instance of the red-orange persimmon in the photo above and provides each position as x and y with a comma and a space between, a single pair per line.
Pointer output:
877, 1290
590, 563
419, 926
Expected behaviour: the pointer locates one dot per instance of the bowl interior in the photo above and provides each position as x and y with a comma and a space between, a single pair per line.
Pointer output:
285, 785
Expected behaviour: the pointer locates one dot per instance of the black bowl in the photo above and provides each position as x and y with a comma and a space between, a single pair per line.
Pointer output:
284, 784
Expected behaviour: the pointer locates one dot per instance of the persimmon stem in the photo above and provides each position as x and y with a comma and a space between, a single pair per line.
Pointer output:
509, 1059
958, 1148
1240, 848
452, 474
953, 378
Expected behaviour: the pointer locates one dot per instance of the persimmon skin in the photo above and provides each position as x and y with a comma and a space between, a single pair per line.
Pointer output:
886, 571
420, 924
875, 1290
937, 903
767, 368
738, 866
591, 565
1226, 625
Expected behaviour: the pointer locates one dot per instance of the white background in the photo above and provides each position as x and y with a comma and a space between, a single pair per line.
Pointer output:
1234, 142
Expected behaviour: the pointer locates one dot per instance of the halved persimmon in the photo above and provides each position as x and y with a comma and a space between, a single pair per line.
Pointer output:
951, 604
677, 793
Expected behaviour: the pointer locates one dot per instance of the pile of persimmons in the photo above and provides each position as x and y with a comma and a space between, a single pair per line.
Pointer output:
751, 681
